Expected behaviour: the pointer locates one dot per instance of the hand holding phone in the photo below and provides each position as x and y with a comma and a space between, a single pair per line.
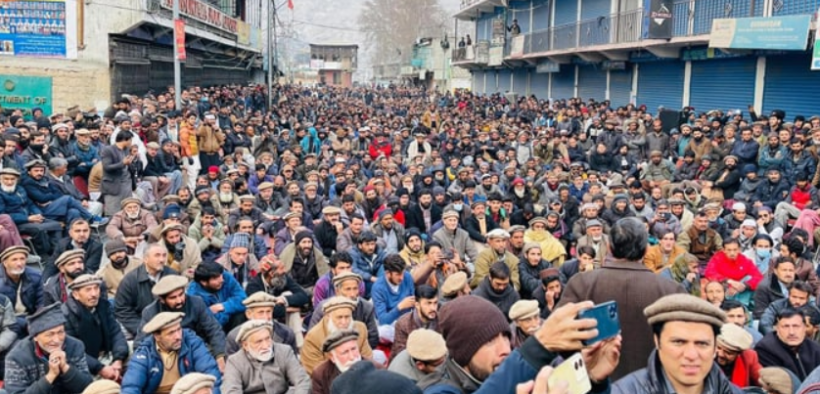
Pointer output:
573, 372
606, 314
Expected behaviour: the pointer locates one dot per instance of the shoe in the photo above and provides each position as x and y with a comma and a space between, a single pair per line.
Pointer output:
99, 221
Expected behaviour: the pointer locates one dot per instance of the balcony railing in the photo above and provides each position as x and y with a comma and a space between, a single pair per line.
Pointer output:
478, 53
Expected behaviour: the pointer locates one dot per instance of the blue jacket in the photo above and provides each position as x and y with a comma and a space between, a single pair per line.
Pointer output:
40, 192
770, 194
766, 159
746, 152
805, 164
145, 369
230, 296
367, 268
387, 302
85, 157
306, 141
18, 205
31, 294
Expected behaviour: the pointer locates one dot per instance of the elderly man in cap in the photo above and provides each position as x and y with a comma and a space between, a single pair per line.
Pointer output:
93, 323
451, 237
119, 264
350, 285
456, 285
342, 351
685, 331
263, 366
168, 352
47, 361
248, 208
597, 240
283, 237
59, 179
71, 265
338, 316
196, 383
79, 238
238, 261
130, 223
27, 216
183, 252
260, 306
328, 230
526, 319
52, 202
221, 292
274, 279
497, 240
627, 281
171, 297
20, 284
735, 357
426, 352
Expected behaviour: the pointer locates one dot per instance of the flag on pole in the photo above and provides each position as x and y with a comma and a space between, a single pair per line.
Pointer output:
290, 4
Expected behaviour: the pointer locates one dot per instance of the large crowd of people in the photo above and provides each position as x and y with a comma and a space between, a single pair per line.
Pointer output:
380, 239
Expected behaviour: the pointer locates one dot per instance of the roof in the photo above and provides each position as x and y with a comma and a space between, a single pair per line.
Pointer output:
337, 45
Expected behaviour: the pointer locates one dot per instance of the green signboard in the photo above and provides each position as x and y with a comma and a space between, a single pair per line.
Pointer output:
25, 93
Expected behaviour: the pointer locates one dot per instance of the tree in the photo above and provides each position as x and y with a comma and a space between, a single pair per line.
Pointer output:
393, 26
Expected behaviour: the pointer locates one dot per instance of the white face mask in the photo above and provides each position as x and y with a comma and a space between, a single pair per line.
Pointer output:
458, 207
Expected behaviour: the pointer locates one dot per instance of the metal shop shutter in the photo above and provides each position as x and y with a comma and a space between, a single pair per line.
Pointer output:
563, 83
478, 82
661, 84
520, 79
790, 85
591, 83
504, 81
539, 85
620, 87
723, 84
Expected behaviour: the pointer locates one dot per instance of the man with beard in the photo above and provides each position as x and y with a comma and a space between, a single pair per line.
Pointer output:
520, 193
259, 306
170, 297
393, 291
183, 252
119, 264
304, 261
426, 351
772, 192
526, 319
93, 323
413, 251
338, 317
52, 202
208, 233
274, 279
496, 287
596, 239
116, 177
341, 351
736, 357
263, 366
327, 232
340, 263
37, 148
425, 214
371, 202
530, 268
314, 202
389, 231
47, 361
70, 265
451, 237
130, 223
771, 155
746, 149
266, 201
497, 251
423, 316
157, 363
225, 200
221, 292
657, 172
79, 237
283, 238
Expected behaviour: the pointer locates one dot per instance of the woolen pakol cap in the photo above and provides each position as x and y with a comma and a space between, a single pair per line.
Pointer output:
129, 200
162, 320
45, 319
339, 337
252, 326
426, 345
168, 284
454, 283
69, 255
778, 379
337, 302
14, 250
85, 280
734, 337
259, 299
193, 382
339, 279
523, 309
684, 307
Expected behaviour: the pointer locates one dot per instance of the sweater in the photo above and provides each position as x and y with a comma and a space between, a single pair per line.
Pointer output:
386, 300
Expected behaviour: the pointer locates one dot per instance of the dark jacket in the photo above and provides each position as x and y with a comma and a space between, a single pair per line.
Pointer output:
791, 167
768, 291
297, 298
155, 167
18, 205
633, 287
503, 301
730, 183
326, 236
26, 373
41, 191
652, 380
746, 152
473, 228
530, 277
115, 173
415, 218
93, 256
31, 294
770, 194
98, 330
774, 353
145, 368
198, 318
134, 295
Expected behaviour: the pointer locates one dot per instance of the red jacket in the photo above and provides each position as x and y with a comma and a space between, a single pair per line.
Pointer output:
384, 147
747, 369
720, 268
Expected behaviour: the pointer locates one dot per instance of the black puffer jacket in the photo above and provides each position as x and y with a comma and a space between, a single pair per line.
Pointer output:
651, 380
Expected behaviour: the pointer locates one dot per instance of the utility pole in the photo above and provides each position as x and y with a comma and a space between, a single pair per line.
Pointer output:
271, 34
177, 68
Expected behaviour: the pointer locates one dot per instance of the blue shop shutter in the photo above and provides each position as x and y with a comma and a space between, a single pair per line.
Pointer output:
791, 86
591, 82
620, 87
539, 85
504, 81
478, 82
723, 84
563, 83
520, 78
661, 84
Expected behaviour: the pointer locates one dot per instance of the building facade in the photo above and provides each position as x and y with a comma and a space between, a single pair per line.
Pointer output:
60, 53
653, 52
334, 63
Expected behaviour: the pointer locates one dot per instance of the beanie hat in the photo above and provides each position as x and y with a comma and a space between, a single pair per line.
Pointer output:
115, 245
364, 378
301, 235
410, 233
467, 323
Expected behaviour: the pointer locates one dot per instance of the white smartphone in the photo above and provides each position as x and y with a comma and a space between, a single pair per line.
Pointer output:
574, 372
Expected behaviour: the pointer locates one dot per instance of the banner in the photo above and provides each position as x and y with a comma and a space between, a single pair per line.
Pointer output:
517, 46
204, 13
38, 28
499, 31
243, 33
179, 38
784, 33
25, 93
496, 56
658, 19
547, 66
815, 57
